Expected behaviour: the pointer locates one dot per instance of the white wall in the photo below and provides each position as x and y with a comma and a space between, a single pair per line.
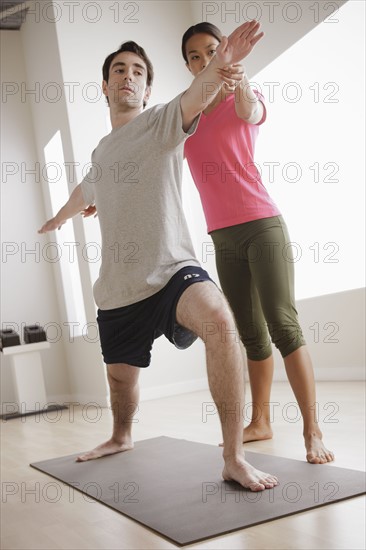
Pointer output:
334, 330
284, 22
72, 51
27, 281
85, 367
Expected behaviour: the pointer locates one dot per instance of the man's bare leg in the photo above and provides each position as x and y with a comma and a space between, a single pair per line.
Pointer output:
124, 391
260, 377
301, 376
203, 309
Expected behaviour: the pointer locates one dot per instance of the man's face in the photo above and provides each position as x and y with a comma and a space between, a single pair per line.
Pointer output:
127, 80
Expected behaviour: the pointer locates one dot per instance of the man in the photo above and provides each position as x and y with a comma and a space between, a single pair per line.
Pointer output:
150, 282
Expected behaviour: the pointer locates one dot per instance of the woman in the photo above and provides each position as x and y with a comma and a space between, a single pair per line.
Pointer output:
250, 238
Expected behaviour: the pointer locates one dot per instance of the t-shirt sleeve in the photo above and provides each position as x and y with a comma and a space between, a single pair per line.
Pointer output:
87, 185
261, 99
165, 122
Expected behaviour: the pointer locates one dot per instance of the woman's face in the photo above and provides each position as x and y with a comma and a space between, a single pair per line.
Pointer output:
200, 49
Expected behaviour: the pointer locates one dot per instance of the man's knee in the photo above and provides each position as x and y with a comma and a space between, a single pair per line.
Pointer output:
219, 325
121, 375
204, 310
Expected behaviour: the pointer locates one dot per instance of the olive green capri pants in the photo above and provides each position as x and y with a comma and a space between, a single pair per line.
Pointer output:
256, 270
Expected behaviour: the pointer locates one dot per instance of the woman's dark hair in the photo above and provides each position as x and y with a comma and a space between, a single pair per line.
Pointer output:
206, 28
132, 47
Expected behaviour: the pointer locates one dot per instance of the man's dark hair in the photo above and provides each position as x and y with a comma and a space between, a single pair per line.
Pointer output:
200, 28
132, 47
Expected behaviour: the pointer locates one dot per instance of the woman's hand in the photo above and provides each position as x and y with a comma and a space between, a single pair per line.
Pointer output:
232, 75
87, 212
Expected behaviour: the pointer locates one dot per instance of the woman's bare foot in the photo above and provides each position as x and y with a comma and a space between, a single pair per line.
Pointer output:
108, 448
245, 474
316, 453
257, 432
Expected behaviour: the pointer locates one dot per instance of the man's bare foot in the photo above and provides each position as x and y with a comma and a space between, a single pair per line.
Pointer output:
316, 451
257, 432
250, 478
108, 448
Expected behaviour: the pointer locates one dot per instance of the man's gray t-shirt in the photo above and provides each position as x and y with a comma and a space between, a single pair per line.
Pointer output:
135, 182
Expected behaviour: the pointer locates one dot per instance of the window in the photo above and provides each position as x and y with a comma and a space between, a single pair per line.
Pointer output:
64, 250
311, 150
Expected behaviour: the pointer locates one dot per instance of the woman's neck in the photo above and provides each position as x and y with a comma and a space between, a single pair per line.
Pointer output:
220, 97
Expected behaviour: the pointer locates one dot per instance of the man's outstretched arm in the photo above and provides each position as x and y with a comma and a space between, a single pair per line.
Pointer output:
208, 82
74, 205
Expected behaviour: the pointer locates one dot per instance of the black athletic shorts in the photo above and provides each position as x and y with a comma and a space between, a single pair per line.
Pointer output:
127, 333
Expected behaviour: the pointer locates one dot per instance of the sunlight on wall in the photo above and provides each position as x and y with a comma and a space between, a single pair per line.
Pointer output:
311, 150
65, 245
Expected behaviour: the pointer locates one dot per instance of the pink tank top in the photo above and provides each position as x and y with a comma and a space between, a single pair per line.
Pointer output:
220, 155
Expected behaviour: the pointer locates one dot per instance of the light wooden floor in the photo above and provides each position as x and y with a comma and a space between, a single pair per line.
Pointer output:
35, 515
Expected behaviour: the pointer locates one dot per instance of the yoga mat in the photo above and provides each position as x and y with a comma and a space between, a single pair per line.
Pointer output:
174, 487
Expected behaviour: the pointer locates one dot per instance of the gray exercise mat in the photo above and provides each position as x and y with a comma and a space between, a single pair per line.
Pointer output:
174, 487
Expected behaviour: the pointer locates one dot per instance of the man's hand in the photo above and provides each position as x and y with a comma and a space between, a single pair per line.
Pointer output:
239, 44
92, 209
51, 225
74, 205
